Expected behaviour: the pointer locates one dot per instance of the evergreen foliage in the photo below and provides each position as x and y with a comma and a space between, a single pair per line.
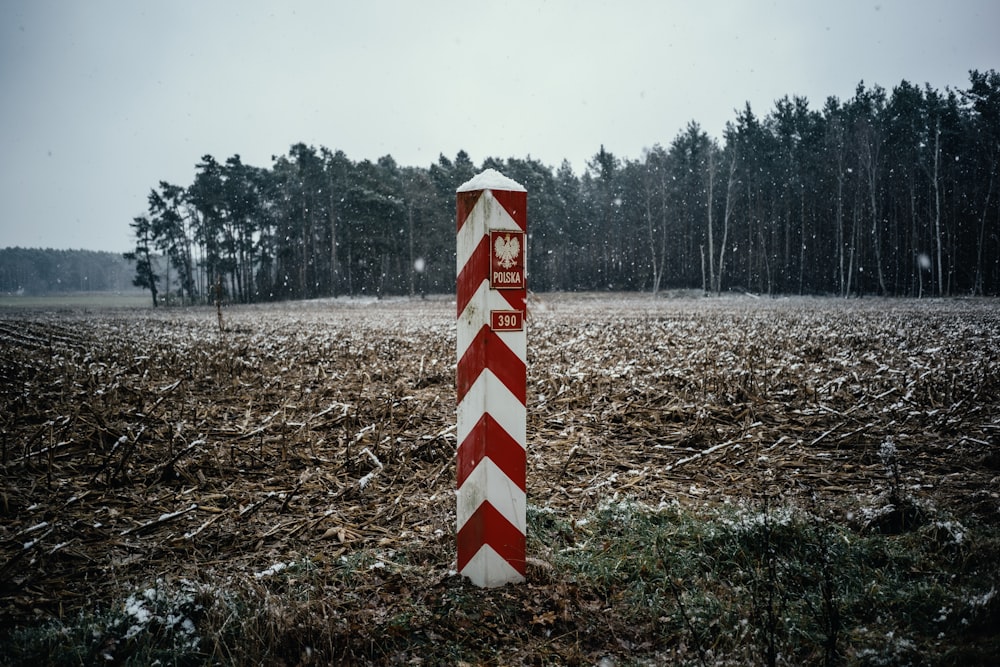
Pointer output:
889, 192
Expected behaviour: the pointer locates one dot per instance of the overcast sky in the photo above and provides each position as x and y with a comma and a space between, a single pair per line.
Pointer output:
102, 99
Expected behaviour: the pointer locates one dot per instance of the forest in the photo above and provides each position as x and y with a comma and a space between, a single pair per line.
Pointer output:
46, 271
887, 193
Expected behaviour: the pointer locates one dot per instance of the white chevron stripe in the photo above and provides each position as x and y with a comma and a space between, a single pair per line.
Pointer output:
488, 569
485, 215
488, 482
504, 407
471, 321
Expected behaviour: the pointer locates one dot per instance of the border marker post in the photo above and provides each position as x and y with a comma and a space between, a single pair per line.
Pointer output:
491, 380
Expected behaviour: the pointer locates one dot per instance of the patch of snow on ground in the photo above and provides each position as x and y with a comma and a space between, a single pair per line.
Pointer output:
169, 611
274, 569
954, 530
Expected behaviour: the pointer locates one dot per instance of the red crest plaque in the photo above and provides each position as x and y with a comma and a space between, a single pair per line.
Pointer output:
506, 259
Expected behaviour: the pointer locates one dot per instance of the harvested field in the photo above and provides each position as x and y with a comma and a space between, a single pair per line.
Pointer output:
148, 448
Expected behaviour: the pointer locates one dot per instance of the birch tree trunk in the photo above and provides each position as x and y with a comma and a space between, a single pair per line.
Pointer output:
725, 223
656, 262
334, 264
978, 285
937, 205
711, 243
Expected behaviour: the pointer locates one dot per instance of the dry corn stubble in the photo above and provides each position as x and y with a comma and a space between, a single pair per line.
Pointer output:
147, 444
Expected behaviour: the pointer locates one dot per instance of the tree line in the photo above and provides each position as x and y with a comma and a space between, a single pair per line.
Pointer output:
34, 271
889, 193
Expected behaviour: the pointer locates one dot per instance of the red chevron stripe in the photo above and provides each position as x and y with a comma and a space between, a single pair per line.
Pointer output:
489, 440
472, 275
488, 350
470, 279
517, 298
515, 203
475, 271
488, 526
466, 202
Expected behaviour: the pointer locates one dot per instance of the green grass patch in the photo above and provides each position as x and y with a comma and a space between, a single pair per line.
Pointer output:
751, 584
774, 585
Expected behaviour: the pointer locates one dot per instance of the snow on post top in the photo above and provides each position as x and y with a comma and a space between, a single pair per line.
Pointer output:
490, 179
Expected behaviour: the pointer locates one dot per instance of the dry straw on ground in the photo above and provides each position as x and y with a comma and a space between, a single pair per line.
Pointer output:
139, 445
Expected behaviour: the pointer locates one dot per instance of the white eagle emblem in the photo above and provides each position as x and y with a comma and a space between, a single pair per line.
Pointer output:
507, 249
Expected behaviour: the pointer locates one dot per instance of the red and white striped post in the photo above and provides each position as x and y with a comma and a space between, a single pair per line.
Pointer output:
491, 379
